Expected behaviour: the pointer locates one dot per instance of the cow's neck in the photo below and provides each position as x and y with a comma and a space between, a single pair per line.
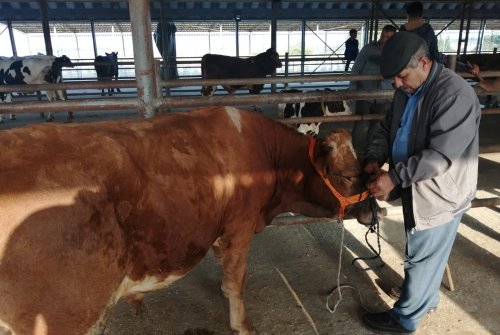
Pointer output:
294, 170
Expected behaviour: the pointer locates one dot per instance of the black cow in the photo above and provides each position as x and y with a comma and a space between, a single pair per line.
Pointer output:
228, 67
37, 69
106, 68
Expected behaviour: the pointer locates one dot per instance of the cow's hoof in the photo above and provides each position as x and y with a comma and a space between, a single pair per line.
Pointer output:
50, 119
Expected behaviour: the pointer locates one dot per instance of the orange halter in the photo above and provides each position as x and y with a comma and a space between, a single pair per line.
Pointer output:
344, 201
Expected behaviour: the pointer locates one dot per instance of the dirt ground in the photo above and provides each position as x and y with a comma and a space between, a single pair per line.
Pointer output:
303, 260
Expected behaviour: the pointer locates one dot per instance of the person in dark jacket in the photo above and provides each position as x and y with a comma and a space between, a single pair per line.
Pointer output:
430, 139
351, 48
368, 63
417, 25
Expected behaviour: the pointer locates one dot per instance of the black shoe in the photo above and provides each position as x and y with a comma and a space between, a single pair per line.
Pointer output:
384, 323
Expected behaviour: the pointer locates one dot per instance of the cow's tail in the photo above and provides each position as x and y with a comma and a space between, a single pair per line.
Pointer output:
206, 90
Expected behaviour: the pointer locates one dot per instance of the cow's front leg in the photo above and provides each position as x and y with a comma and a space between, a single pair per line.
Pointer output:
231, 252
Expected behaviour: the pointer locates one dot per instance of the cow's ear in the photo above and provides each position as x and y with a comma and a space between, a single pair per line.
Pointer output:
322, 156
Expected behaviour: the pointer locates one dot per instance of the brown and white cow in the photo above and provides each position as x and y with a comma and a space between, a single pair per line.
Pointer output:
91, 213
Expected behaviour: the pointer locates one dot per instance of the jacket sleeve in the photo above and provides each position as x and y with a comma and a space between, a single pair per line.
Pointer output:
358, 66
449, 136
378, 148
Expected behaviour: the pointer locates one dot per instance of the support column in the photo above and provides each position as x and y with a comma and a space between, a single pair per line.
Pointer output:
45, 27
237, 19
274, 28
303, 47
92, 28
12, 39
140, 18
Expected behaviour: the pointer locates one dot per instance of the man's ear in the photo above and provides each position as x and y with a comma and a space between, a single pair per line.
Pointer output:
426, 62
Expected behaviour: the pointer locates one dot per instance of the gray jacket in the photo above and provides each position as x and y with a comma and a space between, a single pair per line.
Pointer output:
368, 62
439, 179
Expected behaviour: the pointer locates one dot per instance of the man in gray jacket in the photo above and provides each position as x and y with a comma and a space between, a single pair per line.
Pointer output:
368, 62
430, 139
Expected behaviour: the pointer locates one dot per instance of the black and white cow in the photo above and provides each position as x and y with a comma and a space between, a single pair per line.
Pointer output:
37, 69
312, 109
228, 67
106, 68
290, 110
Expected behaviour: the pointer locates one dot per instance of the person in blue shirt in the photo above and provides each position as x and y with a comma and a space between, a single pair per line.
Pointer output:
430, 140
351, 48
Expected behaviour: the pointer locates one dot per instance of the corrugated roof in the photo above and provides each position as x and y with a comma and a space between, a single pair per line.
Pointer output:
23, 10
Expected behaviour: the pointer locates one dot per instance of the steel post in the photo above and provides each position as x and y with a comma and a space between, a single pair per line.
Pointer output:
140, 18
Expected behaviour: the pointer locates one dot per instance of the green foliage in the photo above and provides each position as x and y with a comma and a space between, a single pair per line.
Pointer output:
294, 50
491, 41
444, 45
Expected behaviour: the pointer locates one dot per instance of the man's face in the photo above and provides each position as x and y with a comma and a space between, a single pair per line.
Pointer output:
410, 79
386, 35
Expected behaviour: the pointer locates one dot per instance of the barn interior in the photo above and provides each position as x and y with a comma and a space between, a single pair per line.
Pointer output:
295, 264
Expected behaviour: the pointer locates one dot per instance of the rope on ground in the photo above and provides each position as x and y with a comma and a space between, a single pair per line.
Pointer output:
296, 297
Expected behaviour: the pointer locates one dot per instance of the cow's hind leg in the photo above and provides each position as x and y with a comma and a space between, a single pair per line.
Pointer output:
231, 252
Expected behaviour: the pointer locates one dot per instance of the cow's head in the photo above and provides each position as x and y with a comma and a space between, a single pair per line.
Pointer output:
112, 56
275, 58
335, 159
64, 61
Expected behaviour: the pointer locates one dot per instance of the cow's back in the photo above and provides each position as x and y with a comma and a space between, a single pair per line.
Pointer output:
226, 67
26, 70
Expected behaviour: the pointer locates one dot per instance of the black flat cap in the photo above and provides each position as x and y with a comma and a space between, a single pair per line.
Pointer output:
397, 53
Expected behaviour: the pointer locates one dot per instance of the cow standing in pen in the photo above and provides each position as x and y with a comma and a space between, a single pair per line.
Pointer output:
228, 67
106, 68
37, 69
312, 109
95, 212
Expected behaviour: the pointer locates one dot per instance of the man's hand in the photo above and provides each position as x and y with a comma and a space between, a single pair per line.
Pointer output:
371, 168
474, 69
381, 186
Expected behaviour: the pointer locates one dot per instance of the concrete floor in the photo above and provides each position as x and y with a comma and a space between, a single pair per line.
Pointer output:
308, 258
